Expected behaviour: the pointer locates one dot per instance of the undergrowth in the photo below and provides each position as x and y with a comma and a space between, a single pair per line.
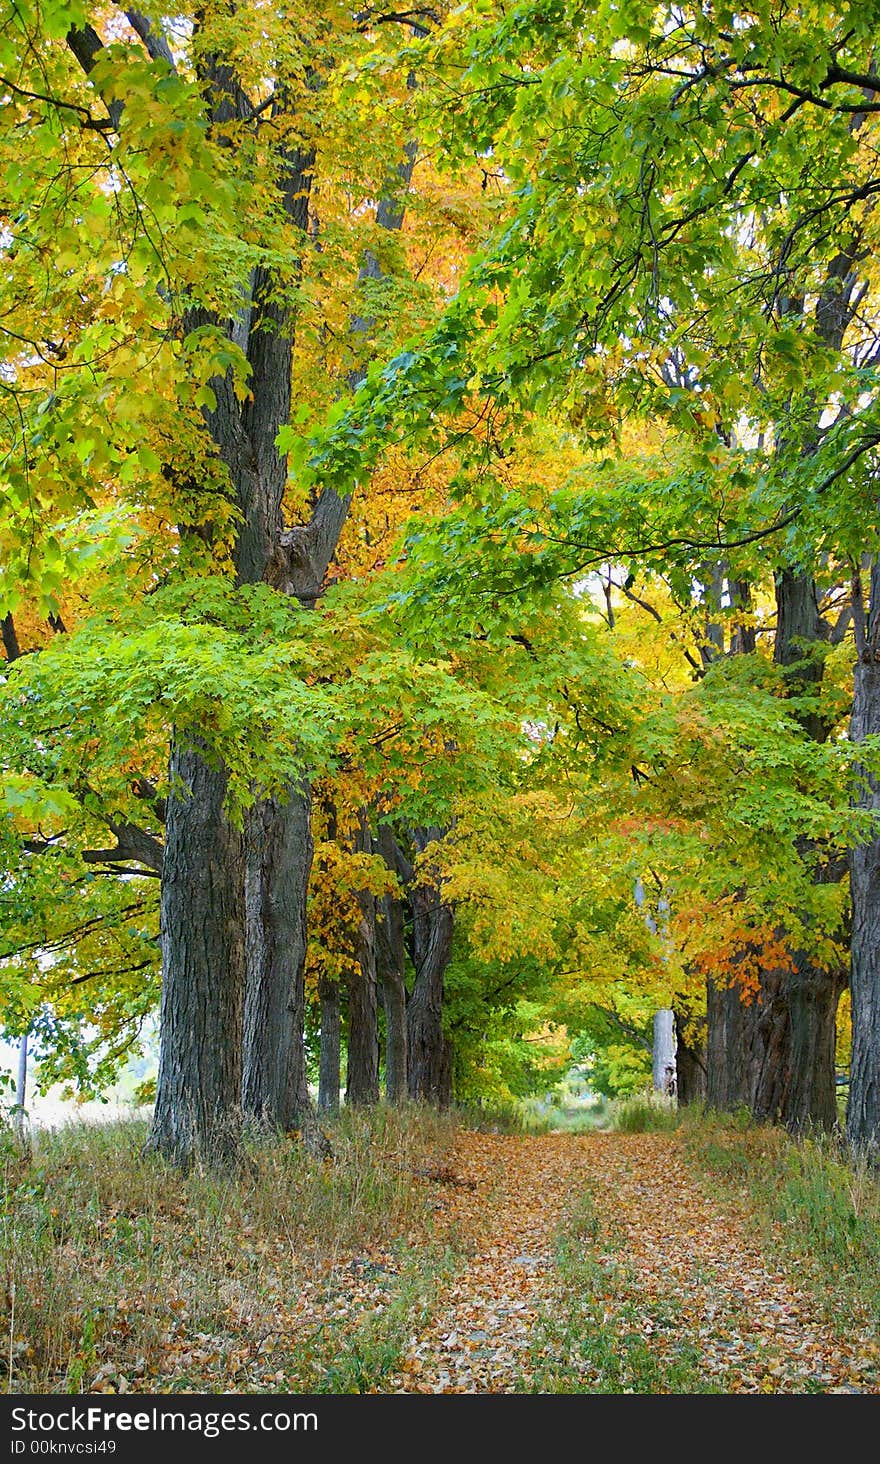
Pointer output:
644, 1113
819, 1211
120, 1274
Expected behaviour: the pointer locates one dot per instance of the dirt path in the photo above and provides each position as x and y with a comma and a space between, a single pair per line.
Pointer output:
685, 1275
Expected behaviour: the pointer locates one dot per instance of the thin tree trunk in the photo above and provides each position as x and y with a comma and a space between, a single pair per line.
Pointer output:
197, 1112
20, 1112
329, 1081
663, 1053
429, 1060
863, 1109
362, 1073
391, 972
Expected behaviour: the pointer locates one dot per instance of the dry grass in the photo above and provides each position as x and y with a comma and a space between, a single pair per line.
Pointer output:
817, 1208
122, 1275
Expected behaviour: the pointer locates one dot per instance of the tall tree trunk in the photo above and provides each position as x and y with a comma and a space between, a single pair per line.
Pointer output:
690, 1058
212, 934
767, 1023
663, 1053
800, 635
296, 560
748, 1047
391, 972
362, 1073
429, 1060
444, 1085
203, 962
726, 1085
863, 1109
812, 992
794, 1078
813, 997
329, 1081
279, 855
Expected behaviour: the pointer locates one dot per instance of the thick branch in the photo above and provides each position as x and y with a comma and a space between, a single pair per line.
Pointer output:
152, 37
86, 45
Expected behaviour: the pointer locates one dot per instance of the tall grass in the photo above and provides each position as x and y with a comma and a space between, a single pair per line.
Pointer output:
644, 1113
818, 1210
119, 1265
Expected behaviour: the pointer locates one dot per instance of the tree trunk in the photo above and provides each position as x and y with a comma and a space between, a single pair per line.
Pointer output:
197, 1113
800, 634
362, 1073
863, 1109
748, 1048
279, 856
663, 1055
391, 971
812, 993
329, 1082
813, 996
767, 1024
725, 1057
210, 929
429, 1061
690, 1061
444, 1085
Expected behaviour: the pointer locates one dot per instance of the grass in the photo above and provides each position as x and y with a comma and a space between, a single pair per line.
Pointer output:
304, 1275
644, 1113
600, 1336
312, 1276
819, 1213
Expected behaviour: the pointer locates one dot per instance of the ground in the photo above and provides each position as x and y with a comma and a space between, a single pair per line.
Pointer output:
425, 1257
688, 1297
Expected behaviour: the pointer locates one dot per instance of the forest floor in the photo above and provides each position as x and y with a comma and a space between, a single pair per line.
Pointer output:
427, 1257
601, 1263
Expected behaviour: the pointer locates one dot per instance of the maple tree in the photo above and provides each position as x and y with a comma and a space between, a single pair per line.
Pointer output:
440, 502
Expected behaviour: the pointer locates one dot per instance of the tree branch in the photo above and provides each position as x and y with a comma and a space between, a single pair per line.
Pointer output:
154, 39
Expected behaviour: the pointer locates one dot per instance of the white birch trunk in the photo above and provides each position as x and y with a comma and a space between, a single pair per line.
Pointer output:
664, 1051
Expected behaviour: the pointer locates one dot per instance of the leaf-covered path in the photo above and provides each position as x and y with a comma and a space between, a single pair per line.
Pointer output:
661, 1287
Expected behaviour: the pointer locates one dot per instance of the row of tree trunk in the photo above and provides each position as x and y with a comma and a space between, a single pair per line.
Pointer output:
773, 1052
418, 924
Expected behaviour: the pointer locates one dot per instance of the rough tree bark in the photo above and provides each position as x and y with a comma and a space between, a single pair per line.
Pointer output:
296, 560
690, 1057
246, 927
203, 962
202, 904
329, 1079
775, 1054
391, 972
278, 860
748, 1047
813, 997
863, 1109
429, 1074
786, 1067
813, 992
362, 1072
801, 636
